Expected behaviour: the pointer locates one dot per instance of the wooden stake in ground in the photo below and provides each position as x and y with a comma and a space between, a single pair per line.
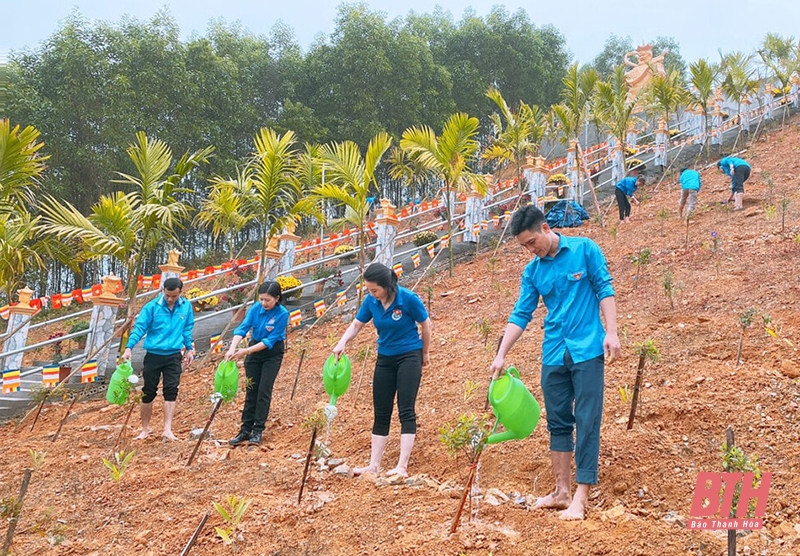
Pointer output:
196, 534
66, 415
360, 378
646, 350
124, 425
729, 440
205, 431
297, 375
308, 463
12, 525
457, 517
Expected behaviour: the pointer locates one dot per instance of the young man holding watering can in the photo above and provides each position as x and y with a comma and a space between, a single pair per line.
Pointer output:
266, 321
571, 277
402, 351
167, 323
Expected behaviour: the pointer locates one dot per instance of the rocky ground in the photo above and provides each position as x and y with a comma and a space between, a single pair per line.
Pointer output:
691, 395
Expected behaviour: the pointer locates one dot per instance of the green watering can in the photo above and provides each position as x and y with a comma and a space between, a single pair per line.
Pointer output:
119, 387
226, 380
515, 407
336, 376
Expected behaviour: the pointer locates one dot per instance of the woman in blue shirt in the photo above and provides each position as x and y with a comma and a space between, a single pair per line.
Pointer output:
739, 171
402, 352
266, 321
626, 187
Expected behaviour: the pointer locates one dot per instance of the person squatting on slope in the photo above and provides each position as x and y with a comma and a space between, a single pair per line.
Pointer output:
571, 277
739, 172
402, 352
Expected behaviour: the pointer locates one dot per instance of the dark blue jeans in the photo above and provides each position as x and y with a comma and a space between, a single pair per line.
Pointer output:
573, 401
400, 375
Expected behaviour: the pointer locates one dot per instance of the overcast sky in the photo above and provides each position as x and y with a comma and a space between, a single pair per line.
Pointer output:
701, 27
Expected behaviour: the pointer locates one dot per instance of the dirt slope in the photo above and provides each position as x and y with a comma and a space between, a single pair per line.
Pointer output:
691, 395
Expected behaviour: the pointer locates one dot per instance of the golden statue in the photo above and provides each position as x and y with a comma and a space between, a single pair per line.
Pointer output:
273, 243
643, 70
172, 257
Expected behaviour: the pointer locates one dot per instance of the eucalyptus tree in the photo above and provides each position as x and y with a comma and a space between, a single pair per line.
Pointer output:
518, 133
448, 156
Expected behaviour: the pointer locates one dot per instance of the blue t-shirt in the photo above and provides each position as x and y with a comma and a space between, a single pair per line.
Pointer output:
627, 185
571, 283
690, 179
267, 327
397, 325
728, 161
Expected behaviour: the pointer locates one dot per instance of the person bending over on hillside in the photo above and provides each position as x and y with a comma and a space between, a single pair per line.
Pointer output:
690, 187
739, 171
402, 352
266, 321
166, 324
626, 187
571, 277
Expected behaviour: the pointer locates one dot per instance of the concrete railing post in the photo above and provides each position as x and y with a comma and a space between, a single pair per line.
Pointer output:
386, 230
101, 323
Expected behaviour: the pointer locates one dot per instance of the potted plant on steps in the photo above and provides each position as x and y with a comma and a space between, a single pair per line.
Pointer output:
79, 326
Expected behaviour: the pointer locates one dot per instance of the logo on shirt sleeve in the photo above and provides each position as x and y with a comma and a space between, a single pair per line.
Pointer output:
397, 314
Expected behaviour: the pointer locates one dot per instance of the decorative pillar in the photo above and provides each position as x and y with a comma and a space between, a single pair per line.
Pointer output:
617, 164
611, 141
473, 216
288, 246
17, 315
271, 258
699, 132
716, 126
768, 100
744, 114
101, 324
662, 137
537, 179
631, 136
572, 169
172, 269
386, 230
795, 91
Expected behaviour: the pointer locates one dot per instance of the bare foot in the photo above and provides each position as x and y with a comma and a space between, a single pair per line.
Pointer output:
575, 512
368, 469
397, 471
553, 501
144, 434
169, 436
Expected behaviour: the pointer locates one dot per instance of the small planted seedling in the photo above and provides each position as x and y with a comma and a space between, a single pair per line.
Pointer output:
671, 287
770, 211
613, 230
735, 460
484, 328
314, 422
470, 389
772, 329
746, 321
119, 465
647, 350
714, 245
785, 202
232, 513
640, 260
625, 393
466, 436
663, 216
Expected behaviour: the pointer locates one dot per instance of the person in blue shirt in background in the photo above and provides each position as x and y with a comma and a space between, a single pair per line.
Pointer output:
166, 324
266, 321
690, 187
739, 171
626, 187
571, 277
402, 352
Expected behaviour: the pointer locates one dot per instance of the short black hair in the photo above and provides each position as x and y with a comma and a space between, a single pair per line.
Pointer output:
527, 218
173, 284
683, 170
383, 276
272, 288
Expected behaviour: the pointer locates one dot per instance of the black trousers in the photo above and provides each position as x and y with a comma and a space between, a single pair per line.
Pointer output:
261, 369
623, 203
156, 366
396, 375
740, 175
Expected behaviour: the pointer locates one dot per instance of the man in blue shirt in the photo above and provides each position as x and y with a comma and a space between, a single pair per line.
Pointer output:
571, 277
690, 187
166, 324
739, 172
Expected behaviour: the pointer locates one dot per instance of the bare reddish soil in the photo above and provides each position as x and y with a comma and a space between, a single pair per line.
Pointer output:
648, 474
